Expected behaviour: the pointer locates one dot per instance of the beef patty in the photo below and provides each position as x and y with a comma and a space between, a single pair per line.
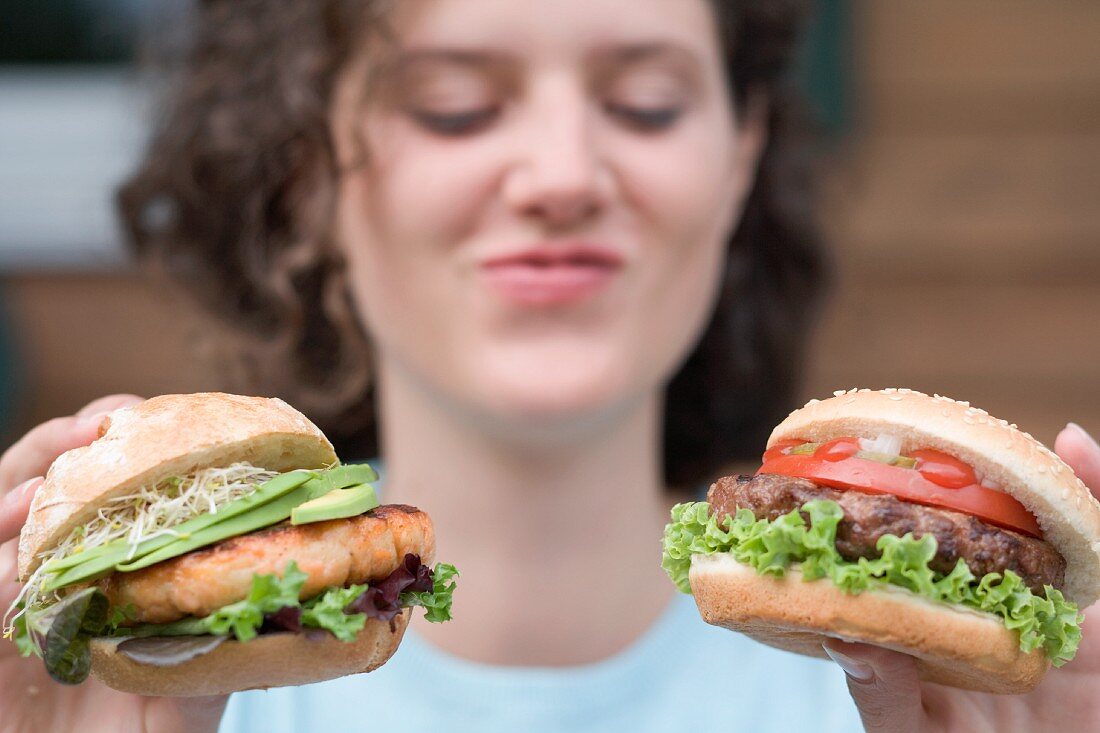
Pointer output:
867, 517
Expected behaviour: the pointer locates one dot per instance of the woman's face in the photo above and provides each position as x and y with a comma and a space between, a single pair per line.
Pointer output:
538, 229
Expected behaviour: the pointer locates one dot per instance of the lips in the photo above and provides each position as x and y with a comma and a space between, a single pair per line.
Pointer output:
552, 275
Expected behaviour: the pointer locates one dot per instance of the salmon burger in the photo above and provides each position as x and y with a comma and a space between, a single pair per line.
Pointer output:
208, 543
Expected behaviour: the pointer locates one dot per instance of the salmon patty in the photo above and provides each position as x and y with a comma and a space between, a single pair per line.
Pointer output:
338, 552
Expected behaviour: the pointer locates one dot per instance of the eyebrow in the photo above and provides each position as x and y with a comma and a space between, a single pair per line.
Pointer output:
607, 60
613, 54
397, 66
404, 59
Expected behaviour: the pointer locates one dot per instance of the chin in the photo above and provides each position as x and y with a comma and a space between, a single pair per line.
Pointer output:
535, 387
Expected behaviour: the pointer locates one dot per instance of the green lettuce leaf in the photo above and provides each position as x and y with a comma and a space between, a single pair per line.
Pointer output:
436, 602
771, 547
326, 611
269, 593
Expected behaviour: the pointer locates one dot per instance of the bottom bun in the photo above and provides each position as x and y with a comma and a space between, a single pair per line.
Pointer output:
952, 646
271, 660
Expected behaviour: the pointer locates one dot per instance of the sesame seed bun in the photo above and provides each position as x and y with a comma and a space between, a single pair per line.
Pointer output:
1002, 455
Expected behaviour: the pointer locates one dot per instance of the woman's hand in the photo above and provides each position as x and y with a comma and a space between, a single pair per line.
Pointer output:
29, 700
891, 698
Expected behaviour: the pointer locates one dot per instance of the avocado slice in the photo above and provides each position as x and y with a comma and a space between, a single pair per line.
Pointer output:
262, 516
119, 550
270, 504
336, 504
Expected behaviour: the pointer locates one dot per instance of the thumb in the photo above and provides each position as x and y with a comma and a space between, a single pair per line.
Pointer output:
883, 683
14, 507
1078, 449
190, 714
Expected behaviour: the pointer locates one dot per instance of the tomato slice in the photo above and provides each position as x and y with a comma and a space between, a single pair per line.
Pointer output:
840, 449
780, 449
908, 484
942, 469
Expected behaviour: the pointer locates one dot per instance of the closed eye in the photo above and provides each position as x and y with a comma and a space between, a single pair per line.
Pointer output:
644, 119
455, 124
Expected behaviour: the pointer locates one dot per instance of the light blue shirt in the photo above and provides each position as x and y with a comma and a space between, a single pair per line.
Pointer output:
681, 675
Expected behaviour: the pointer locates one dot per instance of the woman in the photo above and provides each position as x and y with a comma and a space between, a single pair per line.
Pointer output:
544, 215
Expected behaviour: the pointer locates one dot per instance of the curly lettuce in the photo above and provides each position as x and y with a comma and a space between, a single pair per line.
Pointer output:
437, 601
771, 547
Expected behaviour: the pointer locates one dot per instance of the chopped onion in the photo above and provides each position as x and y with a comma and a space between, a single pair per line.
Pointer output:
884, 443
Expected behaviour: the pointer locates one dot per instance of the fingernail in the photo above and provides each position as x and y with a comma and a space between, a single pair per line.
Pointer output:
21, 490
859, 671
1082, 432
91, 421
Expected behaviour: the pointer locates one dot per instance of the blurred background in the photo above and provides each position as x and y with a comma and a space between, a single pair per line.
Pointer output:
961, 200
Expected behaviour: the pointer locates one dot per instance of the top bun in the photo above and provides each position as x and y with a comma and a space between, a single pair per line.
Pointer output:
170, 435
1001, 455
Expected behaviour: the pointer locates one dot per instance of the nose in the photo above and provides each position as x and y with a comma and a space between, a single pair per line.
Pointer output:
558, 177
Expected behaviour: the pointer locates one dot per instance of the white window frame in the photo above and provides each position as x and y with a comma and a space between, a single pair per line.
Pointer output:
68, 137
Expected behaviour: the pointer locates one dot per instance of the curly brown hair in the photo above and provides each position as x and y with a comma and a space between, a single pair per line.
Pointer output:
233, 204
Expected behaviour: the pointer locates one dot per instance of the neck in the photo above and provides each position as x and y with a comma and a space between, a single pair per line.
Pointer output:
556, 536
